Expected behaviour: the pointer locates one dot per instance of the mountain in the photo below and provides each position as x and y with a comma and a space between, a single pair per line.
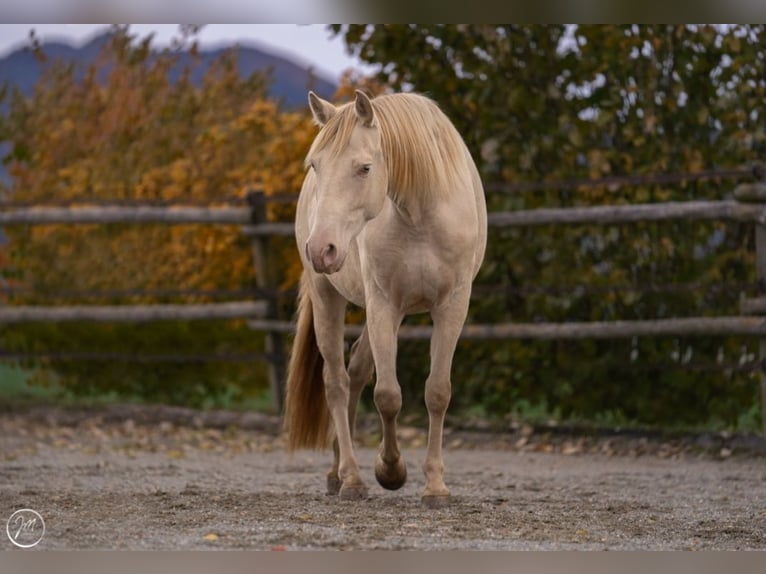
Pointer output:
290, 81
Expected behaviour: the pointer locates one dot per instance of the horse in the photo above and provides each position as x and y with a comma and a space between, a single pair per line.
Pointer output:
391, 217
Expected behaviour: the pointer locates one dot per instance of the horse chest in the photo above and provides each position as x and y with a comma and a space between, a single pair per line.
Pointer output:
412, 275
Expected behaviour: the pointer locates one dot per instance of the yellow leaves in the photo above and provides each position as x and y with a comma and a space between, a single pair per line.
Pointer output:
598, 164
139, 136
293, 273
180, 170
352, 80
260, 116
694, 160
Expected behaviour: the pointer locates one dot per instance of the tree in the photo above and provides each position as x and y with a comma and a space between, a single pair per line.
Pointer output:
125, 130
544, 104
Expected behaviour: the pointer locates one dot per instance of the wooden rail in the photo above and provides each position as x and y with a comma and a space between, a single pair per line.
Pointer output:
133, 313
606, 214
616, 214
687, 326
123, 214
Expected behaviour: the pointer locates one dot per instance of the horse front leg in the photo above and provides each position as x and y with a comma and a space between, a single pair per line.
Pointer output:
329, 318
360, 369
448, 322
383, 326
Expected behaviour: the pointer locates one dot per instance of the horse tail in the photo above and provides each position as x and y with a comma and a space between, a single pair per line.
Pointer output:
307, 418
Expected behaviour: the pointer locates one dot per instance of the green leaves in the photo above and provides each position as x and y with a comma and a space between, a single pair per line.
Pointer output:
560, 103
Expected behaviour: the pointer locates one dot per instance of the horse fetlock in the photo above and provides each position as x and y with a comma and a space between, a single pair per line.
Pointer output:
391, 475
333, 483
433, 468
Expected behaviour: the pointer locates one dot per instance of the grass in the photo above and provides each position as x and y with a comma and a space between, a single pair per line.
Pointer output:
15, 387
17, 390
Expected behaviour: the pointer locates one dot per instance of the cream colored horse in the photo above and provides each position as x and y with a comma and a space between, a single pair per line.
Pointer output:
391, 217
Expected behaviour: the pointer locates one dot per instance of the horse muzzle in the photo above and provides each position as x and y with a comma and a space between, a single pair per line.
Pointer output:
325, 257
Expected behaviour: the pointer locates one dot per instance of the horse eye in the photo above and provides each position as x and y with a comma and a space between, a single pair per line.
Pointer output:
365, 169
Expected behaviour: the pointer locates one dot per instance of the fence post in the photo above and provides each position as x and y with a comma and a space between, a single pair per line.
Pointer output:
760, 273
267, 281
756, 193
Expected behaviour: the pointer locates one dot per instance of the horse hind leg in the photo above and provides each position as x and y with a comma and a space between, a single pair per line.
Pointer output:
360, 369
333, 480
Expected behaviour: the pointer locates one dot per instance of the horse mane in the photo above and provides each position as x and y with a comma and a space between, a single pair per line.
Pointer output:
424, 153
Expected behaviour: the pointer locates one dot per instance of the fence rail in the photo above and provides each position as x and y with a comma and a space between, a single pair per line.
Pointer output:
687, 326
749, 205
125, 214
133, 313
607, 214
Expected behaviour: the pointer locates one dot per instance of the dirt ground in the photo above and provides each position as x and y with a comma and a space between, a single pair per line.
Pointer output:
163, 478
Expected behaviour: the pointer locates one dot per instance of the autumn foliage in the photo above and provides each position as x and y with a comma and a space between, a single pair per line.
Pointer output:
135, 128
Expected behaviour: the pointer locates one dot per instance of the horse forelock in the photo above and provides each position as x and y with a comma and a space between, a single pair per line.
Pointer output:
424, 154
335, 134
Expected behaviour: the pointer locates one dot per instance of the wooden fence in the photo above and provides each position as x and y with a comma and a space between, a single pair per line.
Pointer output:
749, 205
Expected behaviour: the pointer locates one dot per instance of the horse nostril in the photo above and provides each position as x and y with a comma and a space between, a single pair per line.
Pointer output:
324, 260
329, 254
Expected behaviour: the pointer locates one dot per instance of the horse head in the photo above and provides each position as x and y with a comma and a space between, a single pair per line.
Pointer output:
351, 178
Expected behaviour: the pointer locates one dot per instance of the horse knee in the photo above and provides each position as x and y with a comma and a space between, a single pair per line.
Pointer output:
437, 396
388, 399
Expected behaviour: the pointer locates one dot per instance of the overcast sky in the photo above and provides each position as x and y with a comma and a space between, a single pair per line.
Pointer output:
306, 44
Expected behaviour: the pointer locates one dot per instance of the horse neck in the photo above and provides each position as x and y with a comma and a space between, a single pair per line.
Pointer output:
411, 208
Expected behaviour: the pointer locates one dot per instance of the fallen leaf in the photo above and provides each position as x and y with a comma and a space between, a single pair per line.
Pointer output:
212, 536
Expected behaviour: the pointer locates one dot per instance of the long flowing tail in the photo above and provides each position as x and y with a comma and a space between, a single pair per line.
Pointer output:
307, 418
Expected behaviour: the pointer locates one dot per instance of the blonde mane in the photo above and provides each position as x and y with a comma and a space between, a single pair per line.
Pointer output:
423, 151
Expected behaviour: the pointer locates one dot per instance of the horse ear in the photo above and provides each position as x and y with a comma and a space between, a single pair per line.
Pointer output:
322, 110
363, 108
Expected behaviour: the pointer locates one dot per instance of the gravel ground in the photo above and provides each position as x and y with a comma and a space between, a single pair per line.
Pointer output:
159, 478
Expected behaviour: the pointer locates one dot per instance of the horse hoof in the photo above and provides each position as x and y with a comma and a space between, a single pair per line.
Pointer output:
333, 485
435, 500
353, 492
391, 476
